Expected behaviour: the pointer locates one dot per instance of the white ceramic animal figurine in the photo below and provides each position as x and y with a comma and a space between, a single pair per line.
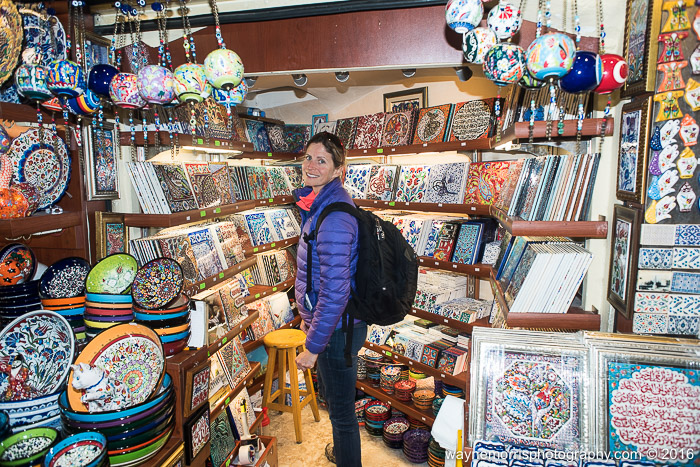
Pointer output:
101, 392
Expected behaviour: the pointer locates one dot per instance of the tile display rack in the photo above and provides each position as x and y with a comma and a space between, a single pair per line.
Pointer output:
408, 408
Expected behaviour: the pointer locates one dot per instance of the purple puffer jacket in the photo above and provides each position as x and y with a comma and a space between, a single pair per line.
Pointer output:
335, 251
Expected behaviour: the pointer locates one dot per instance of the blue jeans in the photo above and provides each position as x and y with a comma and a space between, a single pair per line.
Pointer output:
339, 391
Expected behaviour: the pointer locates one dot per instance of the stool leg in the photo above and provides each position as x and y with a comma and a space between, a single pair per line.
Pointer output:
311, 393
294, 386
268, 374
281, 373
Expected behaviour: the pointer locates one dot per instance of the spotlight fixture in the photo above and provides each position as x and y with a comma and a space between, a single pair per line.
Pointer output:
408, 72
250, 81
300, 80
464, 73
342, 76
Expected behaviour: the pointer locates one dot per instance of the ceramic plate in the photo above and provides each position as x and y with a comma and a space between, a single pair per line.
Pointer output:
178, 305
42, 343
132, 354
44, 166
37, 35
157, 283
17, 264
112, 275
10, 38
64, 278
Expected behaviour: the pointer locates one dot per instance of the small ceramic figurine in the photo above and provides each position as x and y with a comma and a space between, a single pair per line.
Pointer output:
101, 392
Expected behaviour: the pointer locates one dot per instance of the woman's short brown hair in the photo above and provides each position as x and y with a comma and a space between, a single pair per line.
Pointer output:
332, 144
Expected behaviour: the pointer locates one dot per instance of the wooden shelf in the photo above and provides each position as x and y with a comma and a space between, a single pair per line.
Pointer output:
271, 246
471, 145
478, 270
256, 423
408, 408
260, 291
453, 323
470, 209
222, 401
591, 128
21, 113
198, 215
454, 380
220, 277
214, 347
574, 229
257, 384
38, 222
252, 345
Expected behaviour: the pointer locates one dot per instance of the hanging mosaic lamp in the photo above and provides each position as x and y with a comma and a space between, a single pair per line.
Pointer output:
464, 15
156, 84
224, 69
84, 104
504, 63
615, 71
66, 78
100, 77
530, 82
124, 91
32, 82
476, 43
191, 83
550, 56
504, 20
585, 74
233, 97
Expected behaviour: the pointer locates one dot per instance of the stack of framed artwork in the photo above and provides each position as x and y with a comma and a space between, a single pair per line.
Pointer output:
654, 248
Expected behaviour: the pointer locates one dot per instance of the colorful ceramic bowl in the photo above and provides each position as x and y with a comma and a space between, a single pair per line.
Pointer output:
26, 288
141, 455
17, 264
165, 323
148, 425
92, 311
174, 337
174, 307
26, 447
64, 302
106, 298
157, 283
87, 449
173, 348
159, 317
172, 330
112, 275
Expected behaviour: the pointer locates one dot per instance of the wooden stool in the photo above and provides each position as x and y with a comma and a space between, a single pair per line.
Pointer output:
287, 342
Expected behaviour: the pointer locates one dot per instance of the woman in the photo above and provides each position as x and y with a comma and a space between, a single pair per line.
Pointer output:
334, 256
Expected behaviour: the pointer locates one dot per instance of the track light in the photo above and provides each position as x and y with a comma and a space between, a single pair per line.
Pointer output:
250, 81
464, 73
342, 76
408, 72
300, 80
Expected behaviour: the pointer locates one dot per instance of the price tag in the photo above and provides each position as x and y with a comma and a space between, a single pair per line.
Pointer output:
371, 345
217, 210
425, 145
208, 354
454, 266
463, 144
255, 250
437, 263
274, 289
272, 245
203, 213
439, 205
364, 151
202, 286
410, 362
446, 320
228, 462
227, 401
477, 269
187, 218
217, 142
380, 151
388, 354
269, 154
221, 275
224, 340
257, 295
362, 388
200, 141
271, 200
392, 203
420, 260
423, 418
441, 375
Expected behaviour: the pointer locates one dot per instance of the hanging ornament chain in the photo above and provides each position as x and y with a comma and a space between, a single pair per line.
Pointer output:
219, 37
552, 88
187, 39
533, 94
580, 114
601, 51
562, 109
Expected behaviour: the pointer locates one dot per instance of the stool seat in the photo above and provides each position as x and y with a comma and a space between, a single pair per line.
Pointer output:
284, 338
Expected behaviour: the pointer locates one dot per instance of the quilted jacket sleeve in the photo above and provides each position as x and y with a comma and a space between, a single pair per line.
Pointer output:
336, 248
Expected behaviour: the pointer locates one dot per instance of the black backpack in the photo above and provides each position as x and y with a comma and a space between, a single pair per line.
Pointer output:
386, 276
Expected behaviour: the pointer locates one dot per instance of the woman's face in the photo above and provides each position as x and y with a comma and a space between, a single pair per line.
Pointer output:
318, 168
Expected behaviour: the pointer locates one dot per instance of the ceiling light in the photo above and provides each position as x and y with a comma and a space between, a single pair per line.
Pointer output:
300, 80
342, 76
250, 81
408, 72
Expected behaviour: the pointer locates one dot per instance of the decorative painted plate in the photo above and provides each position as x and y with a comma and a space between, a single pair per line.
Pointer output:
44, 166
10, 38
157, 283
38, 349
37, 36
132, 354
17, 264
64, 278
112, 275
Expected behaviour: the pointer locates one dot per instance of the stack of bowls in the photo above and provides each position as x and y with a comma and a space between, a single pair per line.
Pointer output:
403, 389
415, 445
27, 448
17, 300
18, 293
390, 375
62, 289
107, 285
376, 413
88, 449
423, 399
360, 409
449, 390
394, 428
160, 304
436, 454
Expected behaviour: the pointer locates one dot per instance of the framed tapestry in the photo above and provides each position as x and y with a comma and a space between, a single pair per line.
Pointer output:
96, 50
196, 433
410, 99
634, 146
112, 235
222, 441
196, 387
642, 24
646, 399
101, 155
624, 250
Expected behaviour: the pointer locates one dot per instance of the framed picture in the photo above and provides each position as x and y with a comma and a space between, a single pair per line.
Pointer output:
196, 387
624, 250
642, 26
316, 120
111, 234
197, 432
222, 441
410, 99
634, 146
101, 155
96, 50
218, 378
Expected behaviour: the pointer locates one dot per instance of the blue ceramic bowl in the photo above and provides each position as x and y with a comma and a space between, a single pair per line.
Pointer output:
165, 323
174, 337
99, 78
585, 75
159, 316
164, 392
151, 424
89, 448
108, 298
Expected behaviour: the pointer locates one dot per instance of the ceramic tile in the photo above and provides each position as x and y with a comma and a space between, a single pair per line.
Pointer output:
654, 281
297, 136
446, 183
681, 304
398, 128
345, 130
277, 137
356, 180
491, 252
411, 183
647, 302
472, 120
484, 181
257, 134
687, 235
650, 323
655, 258
467, 243
686, 258
382, 179
433, 123
685, 282
683, 325
369, 131
657, 234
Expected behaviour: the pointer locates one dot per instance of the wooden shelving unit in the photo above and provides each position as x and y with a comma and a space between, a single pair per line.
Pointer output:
260, 291
408, 408
252, 345
468, 209
223, 275
453, 323
38, 222
591, 128
270, 246
573, 229
478, 270
454, 380
472, 145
